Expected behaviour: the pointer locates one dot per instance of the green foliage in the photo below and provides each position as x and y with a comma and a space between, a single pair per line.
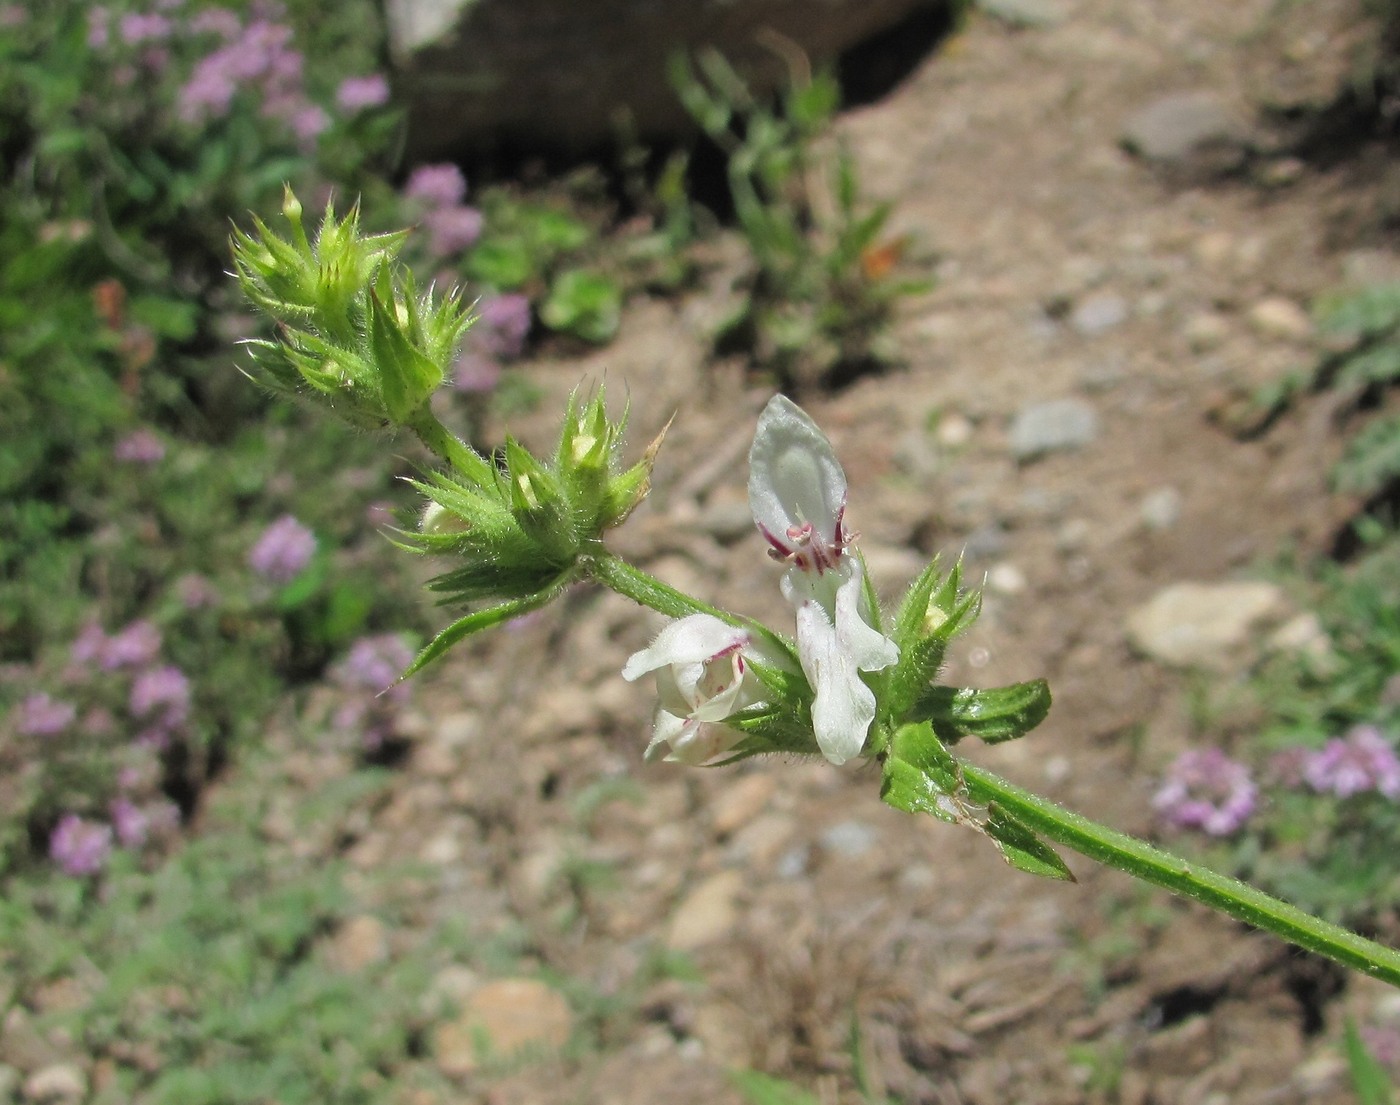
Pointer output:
546, 251
1369, 1078
1327, 853
1363, 368
139, 469
203, 980
816, 302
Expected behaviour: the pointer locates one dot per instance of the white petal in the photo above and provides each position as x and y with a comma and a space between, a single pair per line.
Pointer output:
689, 640
666, 731
844, 706
794, 476
867, 647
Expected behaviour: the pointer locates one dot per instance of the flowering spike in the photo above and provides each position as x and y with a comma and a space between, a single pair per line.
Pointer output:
797, 491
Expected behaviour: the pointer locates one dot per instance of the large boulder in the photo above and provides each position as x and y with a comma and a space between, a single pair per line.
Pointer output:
556, 74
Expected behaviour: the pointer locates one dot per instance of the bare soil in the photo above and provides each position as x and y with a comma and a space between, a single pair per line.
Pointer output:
800, 899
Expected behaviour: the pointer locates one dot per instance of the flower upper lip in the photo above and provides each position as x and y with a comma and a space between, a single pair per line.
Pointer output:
797, 491
797, 488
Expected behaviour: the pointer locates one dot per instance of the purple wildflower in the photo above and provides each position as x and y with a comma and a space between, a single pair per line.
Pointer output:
41, 715
283, 550
79, 846
13, 15
196, 591
374, 664
138, 27
130, 822
503, 323
1206, 790
135, 824
217, 21
475, 373
99, 28
166, 689
1362, 760
359, 93
452, 229
140, 447
436, 185
90, 644
137, 645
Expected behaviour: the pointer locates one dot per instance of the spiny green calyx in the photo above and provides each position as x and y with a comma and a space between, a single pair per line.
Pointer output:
352, 326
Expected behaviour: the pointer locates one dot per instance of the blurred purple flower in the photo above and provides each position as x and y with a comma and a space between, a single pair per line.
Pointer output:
135, 824
217, 21
89, 645
129, 821
374, 664
380, 514
13, 15
452, 229
475, 373
305, 119
140, 447
166, 689
436, 185
1206, 790
196, 591
138, 27
80, 847
99, 28
358, 93
283, 550
135, 646
1362, 760
503, 323
41, 715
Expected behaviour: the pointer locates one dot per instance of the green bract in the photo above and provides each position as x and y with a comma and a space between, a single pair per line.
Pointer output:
520, 528
353, 328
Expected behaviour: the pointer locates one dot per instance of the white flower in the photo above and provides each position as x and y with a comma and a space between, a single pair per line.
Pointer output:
797, 491
701, 679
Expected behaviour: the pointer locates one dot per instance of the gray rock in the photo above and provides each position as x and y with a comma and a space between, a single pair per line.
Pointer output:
1050, 427
1098, 314
1160, 509
1025, 13
1187, 129
557, 73
851, 839
1203, 625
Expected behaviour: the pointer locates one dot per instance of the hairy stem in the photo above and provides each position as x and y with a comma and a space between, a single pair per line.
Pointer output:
446, 445
1238, 899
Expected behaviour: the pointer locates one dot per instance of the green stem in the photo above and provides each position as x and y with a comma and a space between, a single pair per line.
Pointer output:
1239, 900
627, 579
447, 446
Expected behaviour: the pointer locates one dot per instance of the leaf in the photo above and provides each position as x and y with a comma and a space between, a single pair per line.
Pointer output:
1021, 848
994, 715
921, 777
1368, 1078
477, 621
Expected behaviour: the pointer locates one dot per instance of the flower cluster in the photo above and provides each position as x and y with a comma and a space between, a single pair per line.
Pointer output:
1361, 761
373, 696
283, 551
219, 56
797, 493
1205, 789
111, 718
258, 59
496, 338
438, 191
